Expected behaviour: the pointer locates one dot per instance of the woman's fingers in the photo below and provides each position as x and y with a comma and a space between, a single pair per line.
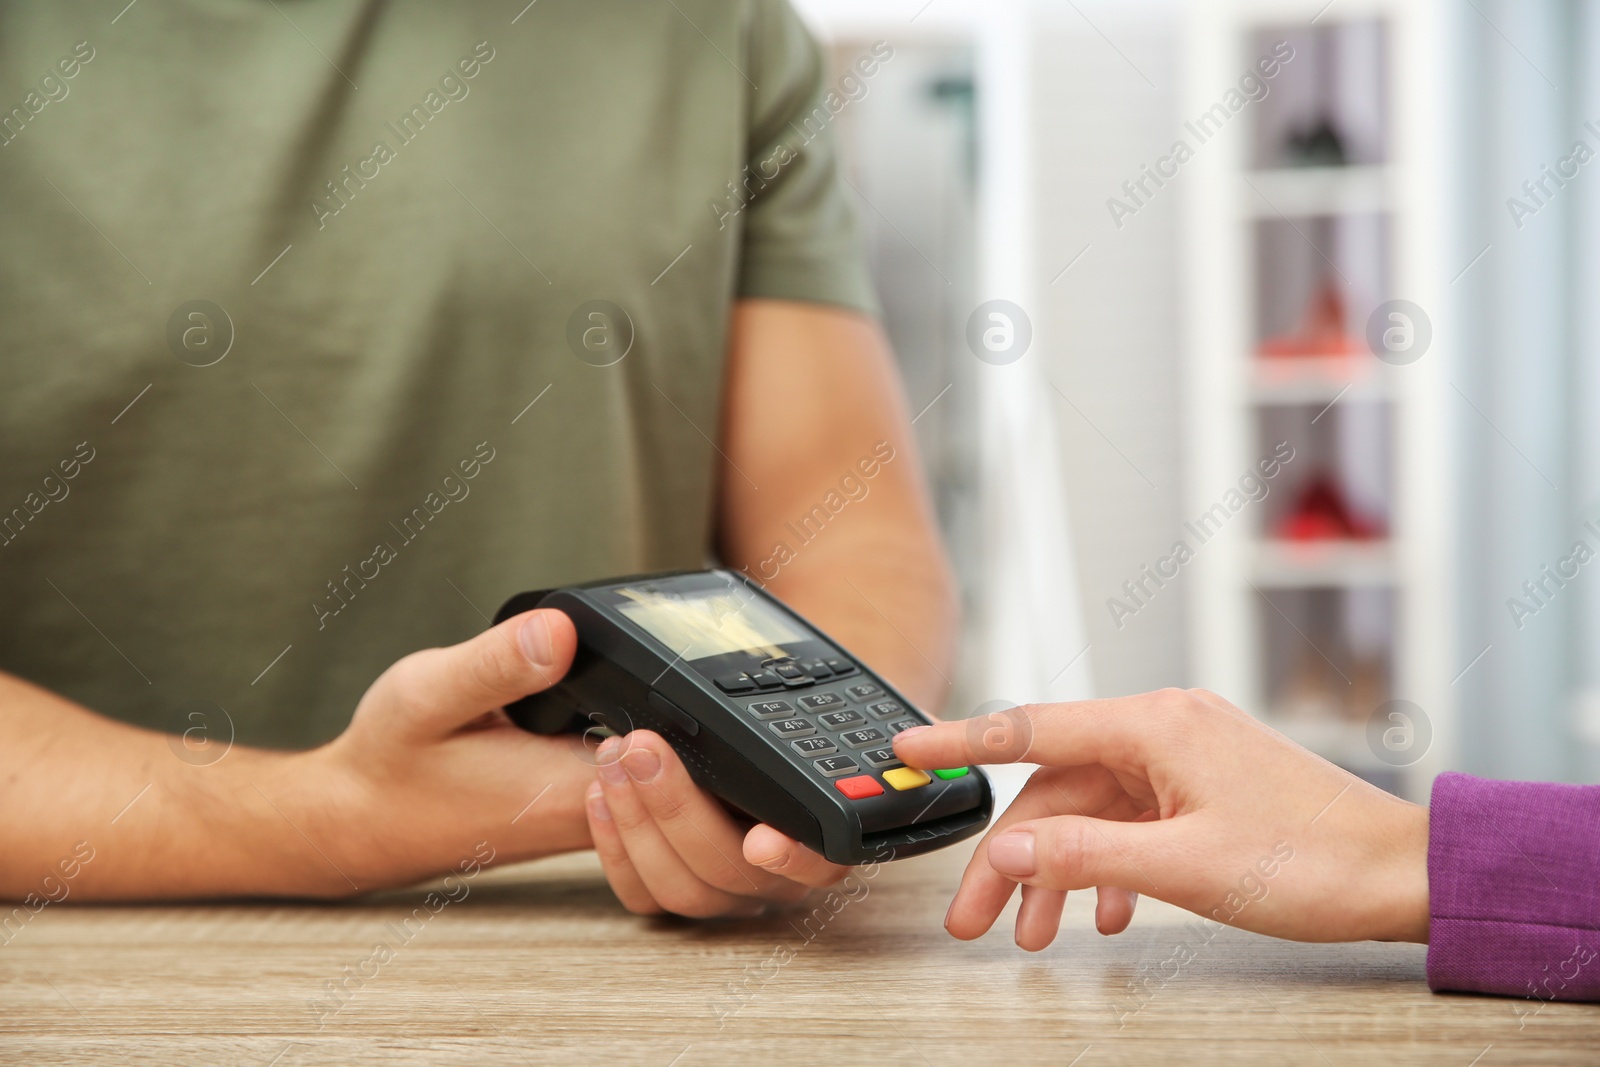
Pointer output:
1113, 909
984, 891
1121, 732
1113, 906
986, 885
1077, 852
1039, 917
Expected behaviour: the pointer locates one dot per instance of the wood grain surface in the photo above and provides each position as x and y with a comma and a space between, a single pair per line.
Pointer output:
538, 965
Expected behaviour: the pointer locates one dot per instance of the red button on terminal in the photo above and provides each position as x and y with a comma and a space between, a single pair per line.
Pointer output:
860, 787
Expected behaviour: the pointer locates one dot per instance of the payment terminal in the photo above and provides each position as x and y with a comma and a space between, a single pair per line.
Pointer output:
766, 712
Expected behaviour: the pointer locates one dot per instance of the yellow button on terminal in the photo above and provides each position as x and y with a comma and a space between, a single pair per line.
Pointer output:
903, 778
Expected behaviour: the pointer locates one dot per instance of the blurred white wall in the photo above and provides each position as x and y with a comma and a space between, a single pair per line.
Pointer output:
1106, 84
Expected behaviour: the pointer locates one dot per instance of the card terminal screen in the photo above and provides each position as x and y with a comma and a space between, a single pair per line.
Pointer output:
710, 622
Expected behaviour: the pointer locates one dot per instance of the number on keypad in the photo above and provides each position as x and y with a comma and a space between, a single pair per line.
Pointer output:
838, 720
862, 738
793, 727
877, 758
771, 709
821, 701
815, 746
884, 709
864, 691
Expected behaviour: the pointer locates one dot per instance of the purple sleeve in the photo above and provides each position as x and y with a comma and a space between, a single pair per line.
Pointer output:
1514, 888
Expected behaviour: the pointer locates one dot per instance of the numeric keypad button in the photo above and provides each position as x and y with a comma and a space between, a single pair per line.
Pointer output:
815, 746
862, 738
838, 720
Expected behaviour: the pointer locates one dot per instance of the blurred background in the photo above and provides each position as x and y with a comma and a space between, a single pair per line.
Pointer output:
1289, 394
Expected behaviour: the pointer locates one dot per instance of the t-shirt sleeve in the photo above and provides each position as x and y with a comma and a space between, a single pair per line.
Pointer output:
1514, 888
801, 238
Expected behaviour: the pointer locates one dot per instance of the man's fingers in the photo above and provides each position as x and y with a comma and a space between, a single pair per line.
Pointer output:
781, 855
665, 872
694, 825
442, 689
625, 881
1075, 852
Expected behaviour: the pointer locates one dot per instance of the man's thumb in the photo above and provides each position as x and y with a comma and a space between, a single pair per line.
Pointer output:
445, 688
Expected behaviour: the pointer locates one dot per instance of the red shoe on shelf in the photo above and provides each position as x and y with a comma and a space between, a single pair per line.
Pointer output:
1321, 332
1322, 514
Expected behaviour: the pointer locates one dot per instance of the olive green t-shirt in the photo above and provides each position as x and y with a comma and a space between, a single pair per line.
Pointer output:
292, 303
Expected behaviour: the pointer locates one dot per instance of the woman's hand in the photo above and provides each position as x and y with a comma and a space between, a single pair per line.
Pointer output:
666, 846
1181, 796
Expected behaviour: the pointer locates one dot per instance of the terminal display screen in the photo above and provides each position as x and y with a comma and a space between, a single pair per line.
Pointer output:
710, 622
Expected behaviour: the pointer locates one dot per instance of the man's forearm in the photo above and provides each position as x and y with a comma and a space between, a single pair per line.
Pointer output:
842, 526
892, 604
96, 809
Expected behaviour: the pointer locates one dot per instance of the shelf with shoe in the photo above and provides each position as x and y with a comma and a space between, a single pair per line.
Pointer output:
1318, 379
1323, 190
1319, 360
1324, 541
1329, 605
1330, 664
1314, 564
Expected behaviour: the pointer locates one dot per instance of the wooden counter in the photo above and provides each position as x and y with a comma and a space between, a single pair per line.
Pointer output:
538, 965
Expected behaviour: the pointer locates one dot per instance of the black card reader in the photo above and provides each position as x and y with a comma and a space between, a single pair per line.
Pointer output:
765, 711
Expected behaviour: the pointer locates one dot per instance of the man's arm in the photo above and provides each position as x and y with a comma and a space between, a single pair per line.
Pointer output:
139, 821
427, 776
822, 496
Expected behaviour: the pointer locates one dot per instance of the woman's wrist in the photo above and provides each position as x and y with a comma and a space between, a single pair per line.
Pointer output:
1404, 872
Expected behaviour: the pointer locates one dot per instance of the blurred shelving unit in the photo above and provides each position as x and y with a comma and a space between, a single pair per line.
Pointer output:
1326, 601
1281, 564
1319, 190
1317, 380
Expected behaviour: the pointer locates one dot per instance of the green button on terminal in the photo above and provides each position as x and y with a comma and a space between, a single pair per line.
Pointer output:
954, 772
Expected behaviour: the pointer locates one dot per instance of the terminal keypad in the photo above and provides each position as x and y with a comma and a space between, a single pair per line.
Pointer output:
838, 727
